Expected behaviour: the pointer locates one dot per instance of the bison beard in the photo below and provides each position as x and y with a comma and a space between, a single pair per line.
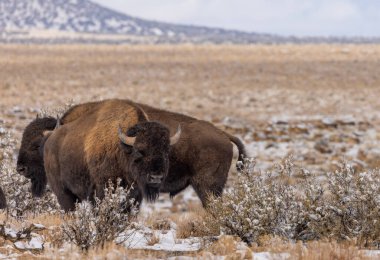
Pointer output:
39, 183
151, 193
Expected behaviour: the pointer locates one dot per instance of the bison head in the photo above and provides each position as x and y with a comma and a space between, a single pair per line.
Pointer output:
30, 161
148, 145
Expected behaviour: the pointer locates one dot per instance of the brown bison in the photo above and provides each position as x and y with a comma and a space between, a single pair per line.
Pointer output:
30, 157
121, 139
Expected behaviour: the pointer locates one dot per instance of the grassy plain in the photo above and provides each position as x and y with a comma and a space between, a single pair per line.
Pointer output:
332, 91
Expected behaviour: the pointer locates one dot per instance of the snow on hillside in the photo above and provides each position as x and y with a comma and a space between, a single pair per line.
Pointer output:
20, 19
83, 16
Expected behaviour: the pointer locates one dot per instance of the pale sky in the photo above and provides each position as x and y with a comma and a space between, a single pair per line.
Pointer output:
284, 17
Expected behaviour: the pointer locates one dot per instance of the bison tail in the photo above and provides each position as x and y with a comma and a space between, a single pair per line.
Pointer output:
241, 148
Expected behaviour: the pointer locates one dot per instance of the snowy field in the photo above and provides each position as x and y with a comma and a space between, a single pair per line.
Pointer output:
318, 104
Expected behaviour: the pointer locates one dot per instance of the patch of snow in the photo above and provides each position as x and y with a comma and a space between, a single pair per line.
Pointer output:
10, 232
189, 194
157, 31
270, 256
186, 258
40, 226
16, 109
36, 243
171, 33
372, 253
328, 121
138, 239
353, 152
61, 16
113, 22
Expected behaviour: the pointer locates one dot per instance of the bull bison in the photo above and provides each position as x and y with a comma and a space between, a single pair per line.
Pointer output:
113, 139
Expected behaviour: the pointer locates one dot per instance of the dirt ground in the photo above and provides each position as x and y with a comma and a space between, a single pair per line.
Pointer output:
319, 103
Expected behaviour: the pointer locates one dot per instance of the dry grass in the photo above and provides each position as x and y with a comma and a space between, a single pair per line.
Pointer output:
109, 251
228, 246
316, 250
232, 248
48, 220
157, 221
160, 224
324, 250
269, 80
195, 223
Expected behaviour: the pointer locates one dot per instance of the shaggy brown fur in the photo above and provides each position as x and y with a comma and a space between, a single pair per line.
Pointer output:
30, 157
82, 155
201, 158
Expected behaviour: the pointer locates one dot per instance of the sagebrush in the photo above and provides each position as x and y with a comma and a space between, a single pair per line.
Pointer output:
107, 219
345, 206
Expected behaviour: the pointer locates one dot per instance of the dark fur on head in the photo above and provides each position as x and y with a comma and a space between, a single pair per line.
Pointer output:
3, 201
30, 159
149, 156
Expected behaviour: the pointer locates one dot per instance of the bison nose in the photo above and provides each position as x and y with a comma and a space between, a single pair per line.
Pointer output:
155, 179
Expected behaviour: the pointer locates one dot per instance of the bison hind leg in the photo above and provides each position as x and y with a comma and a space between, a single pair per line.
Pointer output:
205, 192
210, 182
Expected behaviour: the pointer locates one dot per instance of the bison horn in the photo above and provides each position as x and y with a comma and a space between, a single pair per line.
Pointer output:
174, 139
58, 124
126, 139
144, 113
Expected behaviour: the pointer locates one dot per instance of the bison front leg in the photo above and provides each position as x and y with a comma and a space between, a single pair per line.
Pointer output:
134, 200
66, 199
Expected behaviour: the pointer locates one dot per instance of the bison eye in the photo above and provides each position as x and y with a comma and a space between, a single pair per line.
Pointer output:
139, 154
35, 146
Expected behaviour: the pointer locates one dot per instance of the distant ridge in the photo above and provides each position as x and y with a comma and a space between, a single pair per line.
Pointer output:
82, 21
